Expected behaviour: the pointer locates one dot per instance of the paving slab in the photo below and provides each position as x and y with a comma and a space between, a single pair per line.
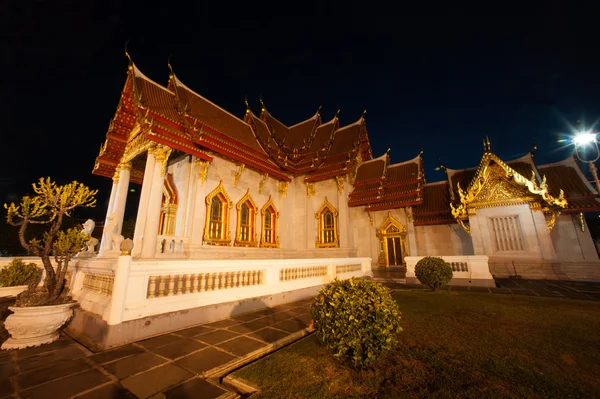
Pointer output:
179, 348
194, 389
66, 387
156, 380
290, 326
248, 327
54, 357
216, 337
52, 372
269, 334
224, 323
115, 354
135, 364
110, 391
242, 345
205, 360
193, 331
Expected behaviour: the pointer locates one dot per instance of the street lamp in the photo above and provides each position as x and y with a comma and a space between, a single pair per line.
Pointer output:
581, 140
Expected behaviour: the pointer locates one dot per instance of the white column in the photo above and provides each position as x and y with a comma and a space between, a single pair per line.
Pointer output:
411, 233
121, 197
111, 203
119, 292
154, 203
142, 213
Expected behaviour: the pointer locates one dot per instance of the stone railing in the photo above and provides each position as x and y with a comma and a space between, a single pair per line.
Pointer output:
134, 289
99, 283
466, 270
171, 246
296, 273
183, 284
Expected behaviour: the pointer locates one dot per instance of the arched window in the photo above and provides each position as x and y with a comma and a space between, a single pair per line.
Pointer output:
269, 237
327, 235
216, 230
246, 222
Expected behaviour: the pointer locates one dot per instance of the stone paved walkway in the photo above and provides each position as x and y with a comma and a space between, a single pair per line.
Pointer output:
182, 364
543, 288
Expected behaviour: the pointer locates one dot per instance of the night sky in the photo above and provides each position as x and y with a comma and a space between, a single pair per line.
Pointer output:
437, 83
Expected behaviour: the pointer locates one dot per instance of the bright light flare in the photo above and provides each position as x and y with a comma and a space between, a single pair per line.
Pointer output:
584, 138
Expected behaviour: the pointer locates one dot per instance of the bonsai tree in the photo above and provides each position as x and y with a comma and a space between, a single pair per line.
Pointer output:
50, 206
433, 272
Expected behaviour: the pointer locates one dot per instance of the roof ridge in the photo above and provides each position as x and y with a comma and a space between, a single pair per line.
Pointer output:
304, 121
177, 81
379, 158
415, 159
138, 73
435, 183
352, 124
567, 161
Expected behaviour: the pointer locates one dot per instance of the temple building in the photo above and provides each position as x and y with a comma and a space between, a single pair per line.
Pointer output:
215, 186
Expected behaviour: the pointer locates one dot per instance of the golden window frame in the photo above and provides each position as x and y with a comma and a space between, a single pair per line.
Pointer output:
239, 239
320, 215
274, 243
225, 238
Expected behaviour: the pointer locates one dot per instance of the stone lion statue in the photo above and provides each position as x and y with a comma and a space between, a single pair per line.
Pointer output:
113, 239
88, 228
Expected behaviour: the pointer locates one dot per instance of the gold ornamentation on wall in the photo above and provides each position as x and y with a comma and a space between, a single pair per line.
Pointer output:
392, 242
327, 231
261, 183
218, 206
203, 169
162, 153
371, 218
340, 183
169, 207
238, 174
310, 189
497, 184
270, 225
283, 188
581, 222
246, 222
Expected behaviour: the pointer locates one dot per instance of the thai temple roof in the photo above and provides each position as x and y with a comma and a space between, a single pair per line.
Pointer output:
184, 120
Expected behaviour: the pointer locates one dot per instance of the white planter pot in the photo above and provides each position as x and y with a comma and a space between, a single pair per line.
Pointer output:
35, 325
12, 291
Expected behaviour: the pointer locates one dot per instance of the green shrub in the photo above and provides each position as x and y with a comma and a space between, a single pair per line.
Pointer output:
18, 272
433, 272
357, 320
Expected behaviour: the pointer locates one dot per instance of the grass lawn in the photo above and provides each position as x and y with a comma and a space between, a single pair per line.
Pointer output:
456, 344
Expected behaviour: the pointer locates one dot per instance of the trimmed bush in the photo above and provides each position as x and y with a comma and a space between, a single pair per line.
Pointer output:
357, 320
18, 272
433, 272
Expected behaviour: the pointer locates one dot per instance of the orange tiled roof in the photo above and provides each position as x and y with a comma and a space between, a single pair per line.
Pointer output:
435, 208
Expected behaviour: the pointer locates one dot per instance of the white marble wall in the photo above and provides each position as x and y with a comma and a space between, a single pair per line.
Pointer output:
442, 239
570, 243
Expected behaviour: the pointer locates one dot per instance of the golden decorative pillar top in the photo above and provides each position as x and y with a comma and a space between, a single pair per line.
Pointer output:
203, 171
261, 183
310, 189
238, 174
162, 153
340, 183
283, 187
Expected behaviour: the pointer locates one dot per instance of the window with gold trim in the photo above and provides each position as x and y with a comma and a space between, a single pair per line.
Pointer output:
269, 237
327, 235
246, 222
168, 210
216, 230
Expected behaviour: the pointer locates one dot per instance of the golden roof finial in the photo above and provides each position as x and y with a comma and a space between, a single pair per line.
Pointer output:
247, 106
170, 67
388, 150
262, 103
421, 153
337, 113
364, 113
130, 67
489, 145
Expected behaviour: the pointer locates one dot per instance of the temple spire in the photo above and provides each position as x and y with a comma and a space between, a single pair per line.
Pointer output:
130, 66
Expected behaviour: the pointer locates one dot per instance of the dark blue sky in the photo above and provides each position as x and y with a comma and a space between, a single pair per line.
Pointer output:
437, 83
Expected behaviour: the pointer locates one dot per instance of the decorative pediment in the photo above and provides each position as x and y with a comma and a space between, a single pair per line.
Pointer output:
391, 226
497, 184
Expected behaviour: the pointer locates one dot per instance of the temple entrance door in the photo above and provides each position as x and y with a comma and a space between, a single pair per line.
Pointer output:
394, 251
392, 238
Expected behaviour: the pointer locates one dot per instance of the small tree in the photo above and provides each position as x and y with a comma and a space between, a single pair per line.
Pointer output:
49, 207
433, 272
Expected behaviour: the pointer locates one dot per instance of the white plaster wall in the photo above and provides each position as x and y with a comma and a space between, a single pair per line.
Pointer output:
570, 242
442, 240
181, 178
536, 239
364, 235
